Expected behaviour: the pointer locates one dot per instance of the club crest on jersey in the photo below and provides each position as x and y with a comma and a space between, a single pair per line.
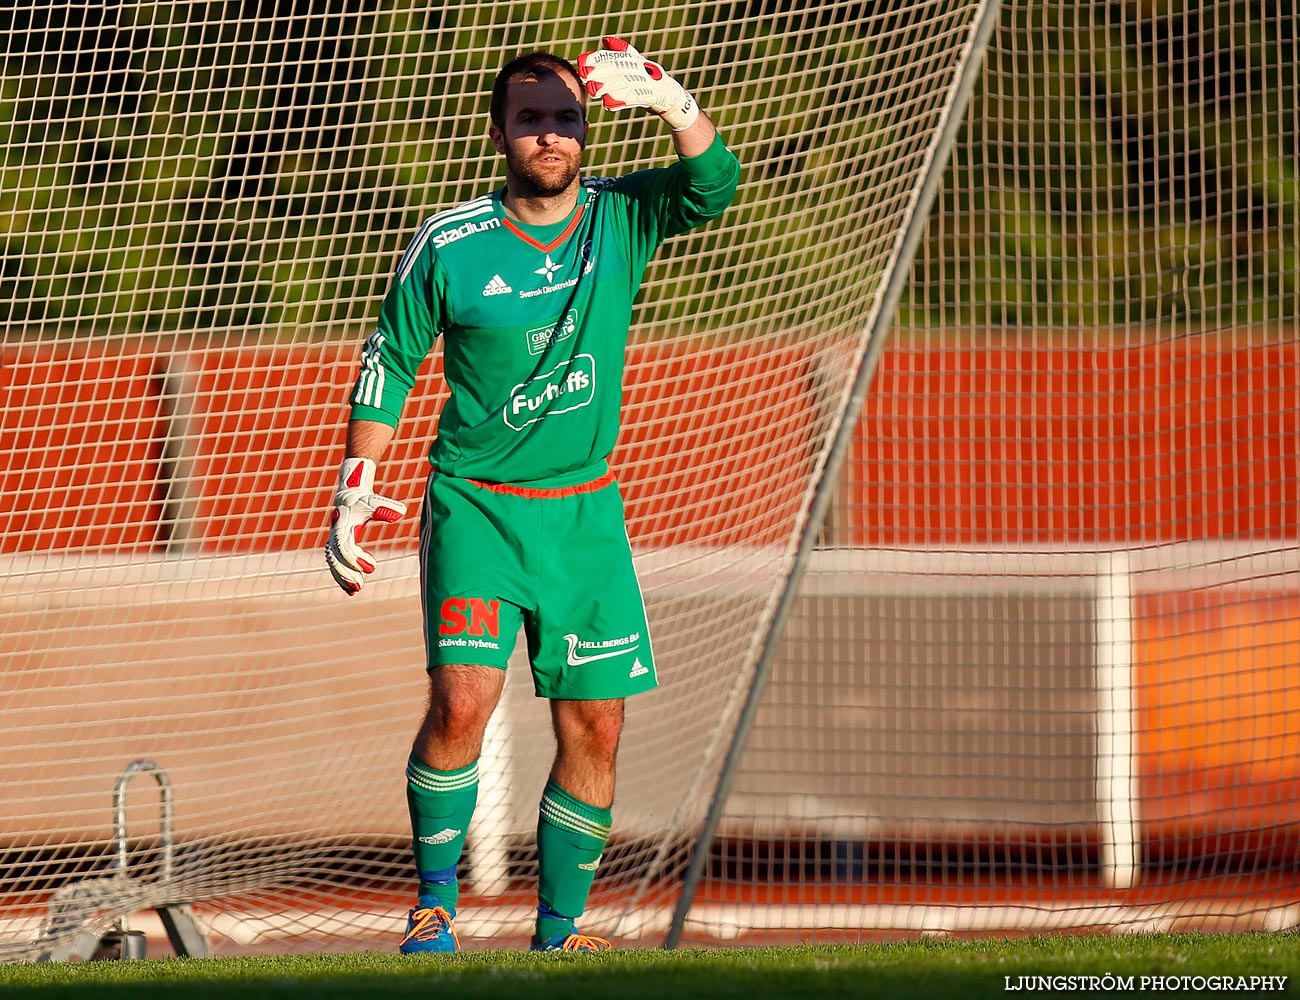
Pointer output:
548, 269
542, 337
570, 385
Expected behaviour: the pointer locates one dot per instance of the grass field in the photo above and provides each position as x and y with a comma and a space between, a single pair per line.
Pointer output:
946, 970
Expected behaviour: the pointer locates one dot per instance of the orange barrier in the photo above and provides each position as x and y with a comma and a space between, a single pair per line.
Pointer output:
269, 427
729, 463
1217, 690
81, 445
957, 445
1006, 446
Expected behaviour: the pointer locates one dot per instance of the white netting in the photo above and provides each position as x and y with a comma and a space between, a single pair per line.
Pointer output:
202, 206
1042, 675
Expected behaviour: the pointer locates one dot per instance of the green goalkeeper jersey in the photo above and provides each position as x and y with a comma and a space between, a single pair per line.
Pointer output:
534, 321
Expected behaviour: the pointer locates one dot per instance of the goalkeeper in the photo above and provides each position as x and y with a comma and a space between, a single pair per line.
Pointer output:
531, 288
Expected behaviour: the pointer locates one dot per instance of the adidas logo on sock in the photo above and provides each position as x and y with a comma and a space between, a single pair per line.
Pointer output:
441, 837
591, 866
638, 669
497, 286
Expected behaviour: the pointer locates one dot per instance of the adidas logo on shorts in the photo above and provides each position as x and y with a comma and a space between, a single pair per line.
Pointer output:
497, 286
638, 669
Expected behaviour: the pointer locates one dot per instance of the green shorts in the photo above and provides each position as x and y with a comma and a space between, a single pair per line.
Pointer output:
556, 563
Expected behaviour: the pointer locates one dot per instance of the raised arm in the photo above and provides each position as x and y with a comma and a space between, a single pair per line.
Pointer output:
623, 78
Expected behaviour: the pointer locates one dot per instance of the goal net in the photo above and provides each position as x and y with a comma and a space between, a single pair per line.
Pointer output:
1042, 672
1041, 659
205, 214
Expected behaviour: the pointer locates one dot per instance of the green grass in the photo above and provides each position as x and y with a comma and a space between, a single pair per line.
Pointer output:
943, 970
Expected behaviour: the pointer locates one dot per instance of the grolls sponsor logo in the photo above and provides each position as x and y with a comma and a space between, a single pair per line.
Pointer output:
470, 621
570, 385
543, 337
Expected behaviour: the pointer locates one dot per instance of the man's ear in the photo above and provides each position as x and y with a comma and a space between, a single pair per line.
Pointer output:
498, 138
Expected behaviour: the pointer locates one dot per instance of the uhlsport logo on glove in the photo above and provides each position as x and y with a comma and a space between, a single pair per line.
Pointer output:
621, 77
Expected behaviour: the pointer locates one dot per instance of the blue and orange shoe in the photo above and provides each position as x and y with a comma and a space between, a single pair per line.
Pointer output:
573, 941
429, 930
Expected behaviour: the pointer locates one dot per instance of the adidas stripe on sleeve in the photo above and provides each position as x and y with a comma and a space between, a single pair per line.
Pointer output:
410, 320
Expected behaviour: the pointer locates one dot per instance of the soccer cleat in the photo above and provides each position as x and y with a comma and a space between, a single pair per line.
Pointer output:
429, 930
572, 942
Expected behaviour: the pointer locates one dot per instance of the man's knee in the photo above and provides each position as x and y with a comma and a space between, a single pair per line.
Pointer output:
603, 733
594, 726
461, 699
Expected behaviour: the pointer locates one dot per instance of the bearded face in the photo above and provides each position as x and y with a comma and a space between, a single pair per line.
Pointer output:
544, 171
542, 135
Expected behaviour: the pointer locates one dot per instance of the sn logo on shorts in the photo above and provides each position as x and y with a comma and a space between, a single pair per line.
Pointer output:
471, 615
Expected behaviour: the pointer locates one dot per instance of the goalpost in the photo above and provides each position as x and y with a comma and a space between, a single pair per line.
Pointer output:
1040, 673
1011, 648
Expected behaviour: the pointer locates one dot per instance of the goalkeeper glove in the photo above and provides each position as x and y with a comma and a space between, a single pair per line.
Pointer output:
623, 78
355, 503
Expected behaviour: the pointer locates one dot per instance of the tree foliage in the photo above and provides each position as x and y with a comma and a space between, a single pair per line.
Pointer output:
196, 167
1124, 163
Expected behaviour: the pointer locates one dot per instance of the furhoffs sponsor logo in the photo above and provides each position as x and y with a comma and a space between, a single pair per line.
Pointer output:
570, 385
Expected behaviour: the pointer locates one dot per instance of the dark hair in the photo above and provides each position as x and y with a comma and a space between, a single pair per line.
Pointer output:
537, 64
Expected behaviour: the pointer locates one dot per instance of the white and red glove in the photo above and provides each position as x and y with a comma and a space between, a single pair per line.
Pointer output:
623, 78
355, 504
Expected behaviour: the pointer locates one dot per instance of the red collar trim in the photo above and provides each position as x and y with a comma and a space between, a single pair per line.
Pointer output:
546, 247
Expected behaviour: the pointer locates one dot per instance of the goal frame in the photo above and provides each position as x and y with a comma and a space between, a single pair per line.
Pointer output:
876, 330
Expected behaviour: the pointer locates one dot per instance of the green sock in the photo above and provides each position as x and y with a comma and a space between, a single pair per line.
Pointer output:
441, 804
570, 838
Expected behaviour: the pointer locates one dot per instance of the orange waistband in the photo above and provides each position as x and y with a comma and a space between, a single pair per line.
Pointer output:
541, 493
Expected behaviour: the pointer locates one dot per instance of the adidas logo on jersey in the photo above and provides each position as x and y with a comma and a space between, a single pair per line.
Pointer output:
497, 286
